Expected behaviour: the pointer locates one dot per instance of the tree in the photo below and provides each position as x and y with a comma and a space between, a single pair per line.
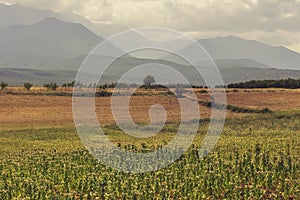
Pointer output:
51, 86
72, 84
149, 80
103, 87
3, 85
28, 85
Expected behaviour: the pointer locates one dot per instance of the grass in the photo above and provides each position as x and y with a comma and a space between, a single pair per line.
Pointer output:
257, 157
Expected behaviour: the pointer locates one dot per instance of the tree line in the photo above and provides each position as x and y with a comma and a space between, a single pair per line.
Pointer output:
283, 83
149, 83
50, 86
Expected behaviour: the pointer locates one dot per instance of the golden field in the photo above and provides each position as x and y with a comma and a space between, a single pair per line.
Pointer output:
28, 110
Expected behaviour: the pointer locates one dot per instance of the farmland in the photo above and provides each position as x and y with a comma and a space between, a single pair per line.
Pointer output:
43, 110
256, 157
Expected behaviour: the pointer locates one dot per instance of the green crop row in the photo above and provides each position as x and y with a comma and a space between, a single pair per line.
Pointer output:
257, 157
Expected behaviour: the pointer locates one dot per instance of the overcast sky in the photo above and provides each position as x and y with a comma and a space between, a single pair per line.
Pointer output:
275, 22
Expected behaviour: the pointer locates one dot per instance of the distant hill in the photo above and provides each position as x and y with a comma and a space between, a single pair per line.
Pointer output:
17, 77
45, 44
236, 48
11, 15
230, 75
236, 63
236, 74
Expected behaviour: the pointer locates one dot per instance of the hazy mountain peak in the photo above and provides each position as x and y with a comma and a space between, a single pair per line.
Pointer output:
45, 43
51, 20
11, 15
57, 26
231, 37
232, 47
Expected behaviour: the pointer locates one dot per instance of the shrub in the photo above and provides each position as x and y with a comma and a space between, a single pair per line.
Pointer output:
72, 84
203, 91
28, 85
266, 110
51, 86
148, 81
3, 85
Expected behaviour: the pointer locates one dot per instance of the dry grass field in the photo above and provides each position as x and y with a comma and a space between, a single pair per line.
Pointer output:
275, 99
51, 111
43, 111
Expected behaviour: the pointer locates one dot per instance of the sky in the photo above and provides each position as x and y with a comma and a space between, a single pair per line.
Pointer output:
276, 22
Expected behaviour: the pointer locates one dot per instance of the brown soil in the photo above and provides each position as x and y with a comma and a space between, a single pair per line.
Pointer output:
47, 111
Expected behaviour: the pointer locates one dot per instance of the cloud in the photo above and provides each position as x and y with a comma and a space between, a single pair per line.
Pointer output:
184, 15
268, 20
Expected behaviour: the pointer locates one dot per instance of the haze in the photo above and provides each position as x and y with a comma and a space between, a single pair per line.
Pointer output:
270, 21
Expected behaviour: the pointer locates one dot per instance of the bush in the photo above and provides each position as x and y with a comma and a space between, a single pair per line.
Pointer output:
148, 81
72, 84
51, 86
266, 110
3, 85
203, 91
28, 85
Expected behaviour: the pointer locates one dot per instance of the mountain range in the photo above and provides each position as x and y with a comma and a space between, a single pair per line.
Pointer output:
236, 48
42, 46
15, 14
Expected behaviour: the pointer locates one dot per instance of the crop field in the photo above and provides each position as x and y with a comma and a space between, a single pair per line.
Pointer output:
256, 157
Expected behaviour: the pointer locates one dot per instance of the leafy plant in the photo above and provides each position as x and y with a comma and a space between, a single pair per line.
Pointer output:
148, 81
3, 85
51, 86
28, 85
52, 163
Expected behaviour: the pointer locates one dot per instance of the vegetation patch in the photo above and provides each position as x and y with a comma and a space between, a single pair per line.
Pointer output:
236, 109
253, 159
283, 83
